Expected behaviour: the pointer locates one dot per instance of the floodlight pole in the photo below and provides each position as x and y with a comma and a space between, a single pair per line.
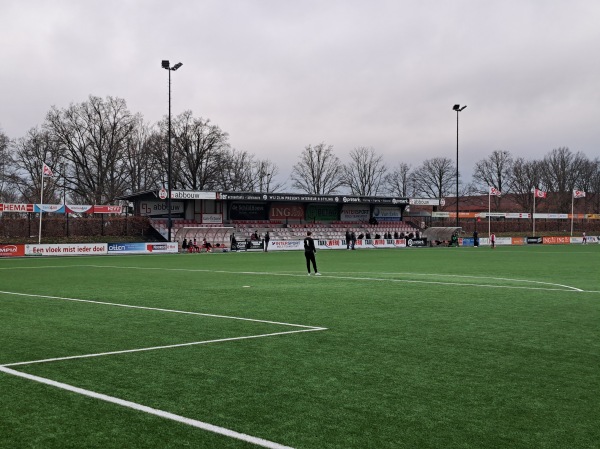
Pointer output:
458, 109
166, 65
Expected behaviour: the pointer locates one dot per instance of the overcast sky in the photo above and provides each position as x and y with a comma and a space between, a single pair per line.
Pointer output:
278, 75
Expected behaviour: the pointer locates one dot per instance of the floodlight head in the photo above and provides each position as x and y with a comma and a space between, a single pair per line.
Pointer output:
176, 66
165, 64
455, 108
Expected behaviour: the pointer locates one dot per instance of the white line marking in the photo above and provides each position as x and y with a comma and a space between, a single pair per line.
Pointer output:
333, 276
152, 411
478, 277
128, 306
153, 348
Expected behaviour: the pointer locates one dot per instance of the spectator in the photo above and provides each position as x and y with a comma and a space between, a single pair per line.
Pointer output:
353, 239
266, 241
348, 238
396, 236
184, 245
368, 235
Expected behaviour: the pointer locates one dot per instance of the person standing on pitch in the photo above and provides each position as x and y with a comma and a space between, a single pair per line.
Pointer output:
493, 240
309, 253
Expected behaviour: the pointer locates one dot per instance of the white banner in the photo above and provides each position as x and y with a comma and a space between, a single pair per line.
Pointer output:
149, 208
193, 195
212, 218
74, 249
285, 245
424, 201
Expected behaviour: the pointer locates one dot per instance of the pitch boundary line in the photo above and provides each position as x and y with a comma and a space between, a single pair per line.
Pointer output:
140, 407
152, 411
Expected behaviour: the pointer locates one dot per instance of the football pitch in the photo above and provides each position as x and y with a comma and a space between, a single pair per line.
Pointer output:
415, 348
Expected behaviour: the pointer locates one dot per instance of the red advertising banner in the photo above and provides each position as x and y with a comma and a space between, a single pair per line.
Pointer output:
556, 240
8, 207
12, 250
107, 209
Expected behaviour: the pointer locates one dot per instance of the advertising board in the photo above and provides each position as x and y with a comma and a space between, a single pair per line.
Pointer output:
285, 211
142, 248
355, 213
212, 218
73, 249
558, 240
151, 208
9, 250
383, 214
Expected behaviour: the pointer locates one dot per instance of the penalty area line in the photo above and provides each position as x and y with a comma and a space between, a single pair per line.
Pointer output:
155, 348
149, 410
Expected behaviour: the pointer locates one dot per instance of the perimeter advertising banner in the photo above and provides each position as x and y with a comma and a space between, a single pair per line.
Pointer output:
12, 250
142, 248
73, 249
556, 240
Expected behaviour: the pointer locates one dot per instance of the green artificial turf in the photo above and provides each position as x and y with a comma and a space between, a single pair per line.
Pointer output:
422, 348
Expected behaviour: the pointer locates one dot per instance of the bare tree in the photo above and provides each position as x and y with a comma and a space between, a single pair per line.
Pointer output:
399, 181
365, 173
30, 153
590, 183
434, 178
525, 176
494, 171
235, 171
7, 185
561, 172
141, 167
264, 171
319, 171
93, 136
197, 151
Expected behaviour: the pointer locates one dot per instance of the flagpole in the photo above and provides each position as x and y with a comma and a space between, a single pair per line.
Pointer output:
489, 211
533, 215
41, 207
572, 201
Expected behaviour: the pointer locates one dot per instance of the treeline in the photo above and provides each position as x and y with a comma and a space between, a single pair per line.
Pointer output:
99, 150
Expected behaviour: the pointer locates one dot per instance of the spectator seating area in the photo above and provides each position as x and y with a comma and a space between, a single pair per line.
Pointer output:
279, 230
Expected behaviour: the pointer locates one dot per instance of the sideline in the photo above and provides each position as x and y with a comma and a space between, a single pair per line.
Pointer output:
152, 411
142, 408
